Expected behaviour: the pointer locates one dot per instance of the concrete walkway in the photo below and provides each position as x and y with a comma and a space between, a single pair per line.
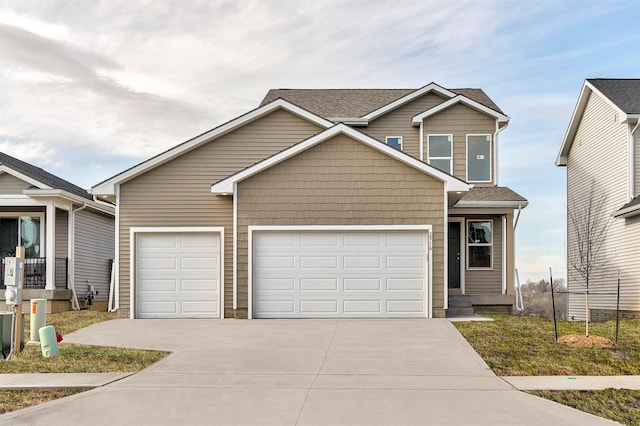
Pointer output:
299, 372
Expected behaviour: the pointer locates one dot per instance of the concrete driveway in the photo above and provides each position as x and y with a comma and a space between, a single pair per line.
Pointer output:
299, 372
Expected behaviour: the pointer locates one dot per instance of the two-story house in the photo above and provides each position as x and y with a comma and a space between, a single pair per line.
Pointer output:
322, 203
601, 151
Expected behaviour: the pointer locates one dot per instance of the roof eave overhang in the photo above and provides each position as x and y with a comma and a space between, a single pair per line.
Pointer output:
108, 187
350, 121
587, 89
489, 204
417, 119
628, 212
19, 175
431, 87
69, 197
227, 186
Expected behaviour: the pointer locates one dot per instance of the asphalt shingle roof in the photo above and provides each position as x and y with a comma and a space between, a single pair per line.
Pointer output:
36, 173
353, 103
491, 193
625, 93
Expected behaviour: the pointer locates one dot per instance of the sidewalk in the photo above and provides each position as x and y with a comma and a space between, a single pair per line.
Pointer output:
94, 380
573, 382
59, 380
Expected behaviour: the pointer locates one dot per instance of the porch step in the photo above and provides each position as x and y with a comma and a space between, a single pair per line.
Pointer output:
459, 306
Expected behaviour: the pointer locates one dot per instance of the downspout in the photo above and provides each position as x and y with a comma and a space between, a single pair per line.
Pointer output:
72, 263
516, 282
495, 151
632, 161
504, 254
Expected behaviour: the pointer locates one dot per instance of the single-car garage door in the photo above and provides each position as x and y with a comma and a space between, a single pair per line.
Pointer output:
340, 274
178, 275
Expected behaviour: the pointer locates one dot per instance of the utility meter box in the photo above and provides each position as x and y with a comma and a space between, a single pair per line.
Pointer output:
13, 280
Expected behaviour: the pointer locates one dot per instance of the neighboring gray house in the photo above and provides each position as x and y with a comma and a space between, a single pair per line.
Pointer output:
68, 237
323, 203
602, 150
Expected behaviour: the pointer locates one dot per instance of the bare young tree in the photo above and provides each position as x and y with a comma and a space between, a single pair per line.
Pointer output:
590, 223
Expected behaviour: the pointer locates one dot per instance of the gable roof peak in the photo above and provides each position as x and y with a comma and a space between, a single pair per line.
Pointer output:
41, 176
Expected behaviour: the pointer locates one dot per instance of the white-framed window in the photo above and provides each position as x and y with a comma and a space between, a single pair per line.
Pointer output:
440, 152
22, 229
480, 244
395, 141
479, 158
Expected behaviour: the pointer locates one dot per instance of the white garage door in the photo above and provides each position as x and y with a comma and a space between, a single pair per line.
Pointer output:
178, 275
339, 274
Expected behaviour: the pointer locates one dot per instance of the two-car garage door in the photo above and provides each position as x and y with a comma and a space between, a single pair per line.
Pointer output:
340, 274
178, 275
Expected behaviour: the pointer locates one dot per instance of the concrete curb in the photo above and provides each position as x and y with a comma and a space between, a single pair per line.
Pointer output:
59, 380
573, 382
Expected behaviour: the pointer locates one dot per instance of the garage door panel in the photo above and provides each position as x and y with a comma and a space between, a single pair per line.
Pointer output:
366, 274
318, 284
362, 284
157, 285
275, 306
329, 307
362, 262
178, 275
402, 306
405, 284
318, 262
274, 285
371, 307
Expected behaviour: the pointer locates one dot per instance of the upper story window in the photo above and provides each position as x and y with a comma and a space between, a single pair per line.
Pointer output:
480, 244
478, 158
440, 152
395, 141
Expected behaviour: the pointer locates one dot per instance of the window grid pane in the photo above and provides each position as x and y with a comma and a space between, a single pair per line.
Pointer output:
480, 243
439, 152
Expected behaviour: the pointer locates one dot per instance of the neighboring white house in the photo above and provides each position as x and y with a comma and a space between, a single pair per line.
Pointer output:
601, 150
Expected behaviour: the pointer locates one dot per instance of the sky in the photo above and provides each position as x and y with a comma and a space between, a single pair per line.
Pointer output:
89, 89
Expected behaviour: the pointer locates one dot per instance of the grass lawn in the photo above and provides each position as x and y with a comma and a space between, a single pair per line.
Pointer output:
72, 359
525, 346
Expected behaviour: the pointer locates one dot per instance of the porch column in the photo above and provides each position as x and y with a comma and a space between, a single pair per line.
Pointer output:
50, 254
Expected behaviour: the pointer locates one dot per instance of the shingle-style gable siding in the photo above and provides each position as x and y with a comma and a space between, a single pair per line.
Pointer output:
398, 123
11, 185
599, 151
178, 193
342, 182
460, 120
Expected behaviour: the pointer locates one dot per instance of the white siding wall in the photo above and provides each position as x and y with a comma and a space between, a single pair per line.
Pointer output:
636, 168
94, 246
600, 152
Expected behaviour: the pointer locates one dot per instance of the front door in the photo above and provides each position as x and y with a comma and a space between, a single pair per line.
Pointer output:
454, 255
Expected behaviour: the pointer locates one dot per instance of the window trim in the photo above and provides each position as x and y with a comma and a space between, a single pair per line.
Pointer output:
429, 158
468, 245
39, 215
386, 140
490, 157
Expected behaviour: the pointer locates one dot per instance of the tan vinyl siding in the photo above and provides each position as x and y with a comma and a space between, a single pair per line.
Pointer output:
461, 120
94, 242
599, 153
178, 193
62, 233
342, 182
11, 185
484, 281
399, 123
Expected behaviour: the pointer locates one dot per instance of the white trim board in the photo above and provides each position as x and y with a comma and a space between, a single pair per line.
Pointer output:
340, 228
170, 229
417, 119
